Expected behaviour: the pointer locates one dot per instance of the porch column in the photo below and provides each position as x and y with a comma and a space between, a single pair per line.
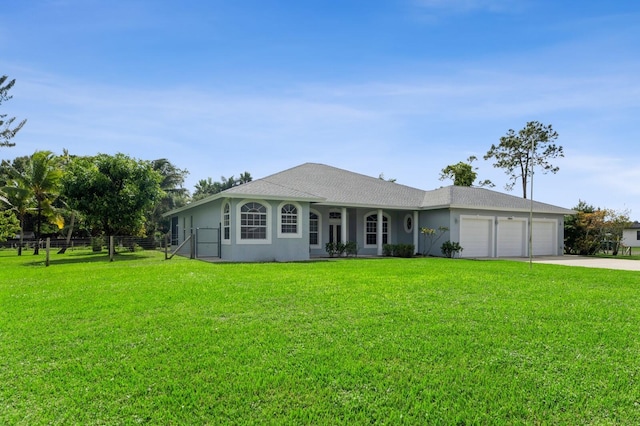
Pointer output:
379, 232
343, 225
416, 232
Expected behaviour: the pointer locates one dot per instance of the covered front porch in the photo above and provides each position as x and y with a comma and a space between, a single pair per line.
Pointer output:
370, 229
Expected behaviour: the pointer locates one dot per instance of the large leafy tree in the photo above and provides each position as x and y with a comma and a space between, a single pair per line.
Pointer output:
7, 128
35, 187
114, 193
532, 147
463, 173
582, 231
615, 224
592, 229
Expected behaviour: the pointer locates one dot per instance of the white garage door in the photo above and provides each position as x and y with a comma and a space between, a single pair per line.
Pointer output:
544, 237
512, 237
475, 237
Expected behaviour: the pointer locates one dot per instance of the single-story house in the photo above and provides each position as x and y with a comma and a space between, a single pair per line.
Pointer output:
631, 235
291, 215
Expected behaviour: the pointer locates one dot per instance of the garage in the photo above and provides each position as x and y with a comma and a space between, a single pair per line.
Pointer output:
544, 237
476, 236
512, 237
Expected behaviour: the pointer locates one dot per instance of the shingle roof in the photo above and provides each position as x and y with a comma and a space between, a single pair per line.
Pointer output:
480, 198
341, 187
264, 188
319, 183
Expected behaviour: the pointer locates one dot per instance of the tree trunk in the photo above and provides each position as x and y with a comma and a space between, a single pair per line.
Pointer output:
21, 236
36, 247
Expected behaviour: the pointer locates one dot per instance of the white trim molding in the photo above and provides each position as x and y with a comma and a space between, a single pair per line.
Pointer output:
267, 239
297, 216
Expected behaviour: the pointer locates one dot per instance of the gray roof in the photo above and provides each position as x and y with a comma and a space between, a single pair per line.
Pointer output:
322, 184
341, 187
484, 199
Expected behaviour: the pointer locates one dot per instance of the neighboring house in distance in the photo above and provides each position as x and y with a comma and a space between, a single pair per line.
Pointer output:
292, 214
631, 235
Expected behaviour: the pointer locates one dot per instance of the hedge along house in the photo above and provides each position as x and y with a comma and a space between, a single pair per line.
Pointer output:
291, 215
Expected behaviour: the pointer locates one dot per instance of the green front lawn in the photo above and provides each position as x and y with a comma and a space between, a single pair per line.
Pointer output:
357, 341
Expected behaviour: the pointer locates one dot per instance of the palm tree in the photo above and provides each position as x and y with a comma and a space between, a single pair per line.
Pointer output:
18, 197
175, 195
35, 188
206, 187
244, 178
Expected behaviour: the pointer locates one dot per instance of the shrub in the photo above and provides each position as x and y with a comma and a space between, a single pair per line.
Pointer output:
398, 250
450, 249
97, 243
404, 250
337, 248
351, 248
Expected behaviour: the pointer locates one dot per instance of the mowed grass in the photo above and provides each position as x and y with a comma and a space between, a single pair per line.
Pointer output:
359, 341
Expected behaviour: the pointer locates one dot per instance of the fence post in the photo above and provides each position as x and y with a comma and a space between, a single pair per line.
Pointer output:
47, 250
111, 248
166, 246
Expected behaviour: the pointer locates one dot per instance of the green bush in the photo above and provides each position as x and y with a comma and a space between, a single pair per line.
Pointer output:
404, 250
450, 249
97, 243
351, 248
339, 249
398, 250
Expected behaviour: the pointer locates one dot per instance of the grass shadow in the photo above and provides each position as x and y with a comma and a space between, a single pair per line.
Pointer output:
84, 257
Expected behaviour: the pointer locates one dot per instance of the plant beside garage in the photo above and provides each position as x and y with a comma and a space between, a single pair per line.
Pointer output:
451, 249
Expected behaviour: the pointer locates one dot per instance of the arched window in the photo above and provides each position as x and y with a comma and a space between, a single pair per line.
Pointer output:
289, 220
253, 221
371, 229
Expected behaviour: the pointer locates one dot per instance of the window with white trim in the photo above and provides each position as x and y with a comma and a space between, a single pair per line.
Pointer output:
289, 219
314, 229
371, 229
226, 222
253, 221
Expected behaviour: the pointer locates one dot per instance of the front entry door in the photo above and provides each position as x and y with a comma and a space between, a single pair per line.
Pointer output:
335, 233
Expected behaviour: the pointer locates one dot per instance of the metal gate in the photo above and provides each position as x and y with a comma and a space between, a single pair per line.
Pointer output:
207, 242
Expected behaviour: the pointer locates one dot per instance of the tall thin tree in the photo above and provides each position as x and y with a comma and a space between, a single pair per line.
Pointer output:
7, 129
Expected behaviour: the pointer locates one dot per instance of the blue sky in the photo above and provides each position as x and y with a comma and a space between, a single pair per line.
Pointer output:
400, 87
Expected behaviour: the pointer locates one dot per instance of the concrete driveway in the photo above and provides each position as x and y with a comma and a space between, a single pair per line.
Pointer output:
590, 262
